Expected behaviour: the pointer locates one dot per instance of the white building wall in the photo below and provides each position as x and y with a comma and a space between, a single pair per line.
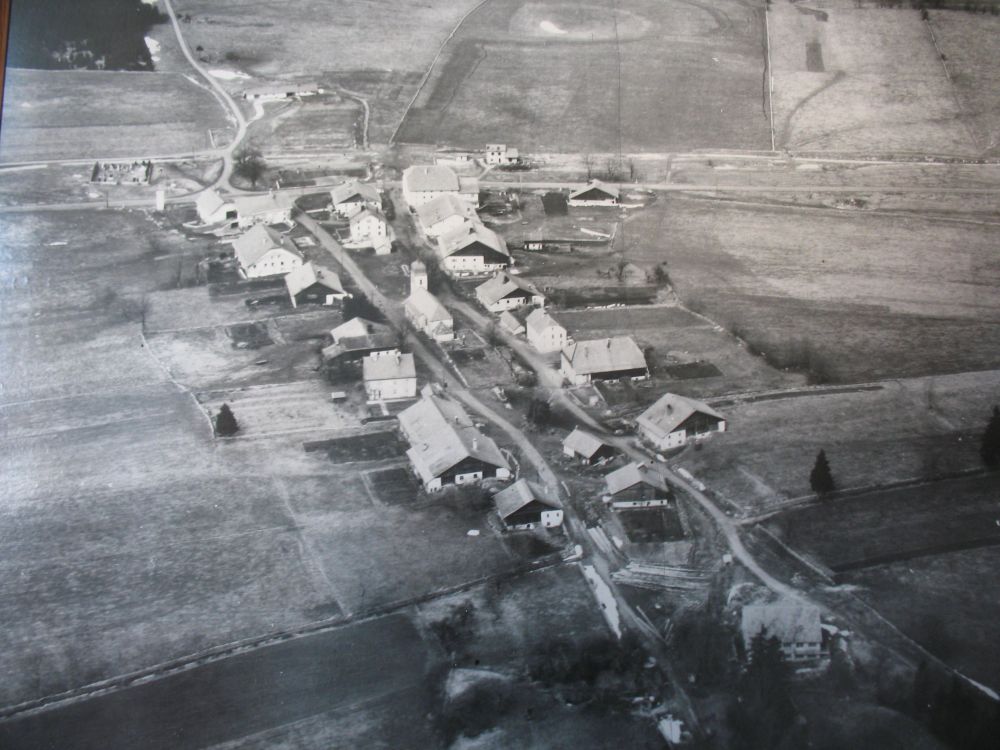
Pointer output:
551, 518
273, 263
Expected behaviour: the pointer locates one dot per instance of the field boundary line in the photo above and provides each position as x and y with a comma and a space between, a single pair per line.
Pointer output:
769, 73
963, 116
234, 648
434, 62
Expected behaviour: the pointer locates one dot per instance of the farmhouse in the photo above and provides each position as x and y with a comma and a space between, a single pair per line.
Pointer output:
589, 448
595, 193
260, 209
673, 420
350, 345
278, 91
511, 324
314, 284
261, 251
797, 626
525, 505
446, 448
213, 209
544, 333
389, 376
428, 315
443, 215
636, 486
603, 359
506, 292
499, 154
472, 250
350, 197
424, 183
369, 226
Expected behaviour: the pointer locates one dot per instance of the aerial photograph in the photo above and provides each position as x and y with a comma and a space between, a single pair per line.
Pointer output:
500, 374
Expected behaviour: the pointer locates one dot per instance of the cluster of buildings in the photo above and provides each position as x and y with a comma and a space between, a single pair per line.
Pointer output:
361, 204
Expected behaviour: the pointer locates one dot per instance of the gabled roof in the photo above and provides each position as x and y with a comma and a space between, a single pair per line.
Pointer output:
257, 241
790, 623
539, 320
442, 435
209, 202
388, 367
468, 185
471, 232
307, 274
249, 205
583, 443
379, 341
365, 214
605, 355
427, 305
503, 285
354, 192
358, 327
443, 207
429, 178
520, 494
632, 474
609, 190
670, 411
510, 323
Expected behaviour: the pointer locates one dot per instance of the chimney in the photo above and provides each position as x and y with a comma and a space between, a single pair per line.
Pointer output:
670, 408
475, 444
399, 357
609, 343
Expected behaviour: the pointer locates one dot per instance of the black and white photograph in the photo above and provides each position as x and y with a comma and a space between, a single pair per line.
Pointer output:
499, 374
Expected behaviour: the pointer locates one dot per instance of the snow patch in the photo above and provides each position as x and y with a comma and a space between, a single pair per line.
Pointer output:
550, 28
154, 48
227, 75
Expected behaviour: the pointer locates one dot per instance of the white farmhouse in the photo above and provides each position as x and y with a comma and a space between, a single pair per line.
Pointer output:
350, 197
389, 376
499, 154
797, 626
424, 183
472, 250
261, 251
261, 209
505, 292
368, 226
636, 486
544, 333
673, 420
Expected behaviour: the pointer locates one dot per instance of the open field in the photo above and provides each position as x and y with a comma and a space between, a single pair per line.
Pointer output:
945, 603
90, 114
316, 123
559, 76
861, 80
848, 295
906, 429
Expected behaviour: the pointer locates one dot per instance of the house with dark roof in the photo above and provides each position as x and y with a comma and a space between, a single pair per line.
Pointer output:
429, 316
636, 485
595, 193
526, 505
389, 376
673, 420
445, 446
350, 197
262, 251
586, 447
503, 292
544, 332
312, 284
796, 625
472, 250
603, 359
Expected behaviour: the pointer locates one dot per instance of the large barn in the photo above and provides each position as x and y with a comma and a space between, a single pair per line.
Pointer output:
595, 193
261, 251
473, 250
505, 292
603, 359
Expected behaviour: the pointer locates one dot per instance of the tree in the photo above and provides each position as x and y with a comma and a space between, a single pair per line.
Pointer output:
821, 479
248, 163
990, 447
539, 411
225, 423
660, 274
763, 711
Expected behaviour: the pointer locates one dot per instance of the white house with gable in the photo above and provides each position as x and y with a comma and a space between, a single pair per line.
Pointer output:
389, 376
261, 251
544, 333
673, 420
425, 182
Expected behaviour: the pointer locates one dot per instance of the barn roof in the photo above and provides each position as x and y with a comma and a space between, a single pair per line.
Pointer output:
510, 323
539, 320
605, 355
469, 233
366, 213
426, 304
670, 411
354, 191
502, 285
209, 202
596, 185
520, 494
249, 205
388, 367
257, 241
357, 327
441, 208
428, 178
442, 435
789, 622
632, 474
308, 274
583, 443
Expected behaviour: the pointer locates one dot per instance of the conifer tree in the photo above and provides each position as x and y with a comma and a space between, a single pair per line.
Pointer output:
821, 478
225, 423
990, 447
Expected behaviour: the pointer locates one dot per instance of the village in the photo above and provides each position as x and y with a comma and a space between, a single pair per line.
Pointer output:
367, 384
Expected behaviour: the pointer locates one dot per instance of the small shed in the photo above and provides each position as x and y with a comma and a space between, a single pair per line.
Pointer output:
587, 447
